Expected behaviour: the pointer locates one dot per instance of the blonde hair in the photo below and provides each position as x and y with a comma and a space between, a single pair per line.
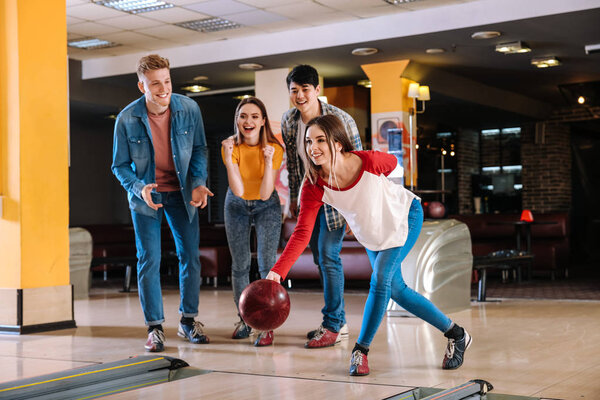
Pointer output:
335, 132
149, 63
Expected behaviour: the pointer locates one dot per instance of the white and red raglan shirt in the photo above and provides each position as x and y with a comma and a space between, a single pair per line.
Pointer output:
375, 208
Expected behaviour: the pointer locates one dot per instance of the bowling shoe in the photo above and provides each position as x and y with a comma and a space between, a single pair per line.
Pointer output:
156, 341
455, 352
323, 338
241, 331
264, 338
359, 365
193, 333
344, 333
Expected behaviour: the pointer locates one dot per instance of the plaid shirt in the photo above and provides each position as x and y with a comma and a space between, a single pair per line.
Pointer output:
289, 130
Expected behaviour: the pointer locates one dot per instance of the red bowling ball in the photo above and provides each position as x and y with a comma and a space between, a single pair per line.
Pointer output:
436, 210
264, 305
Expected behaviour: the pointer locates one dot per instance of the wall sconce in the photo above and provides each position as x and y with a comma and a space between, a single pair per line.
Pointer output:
415, 92
418, 92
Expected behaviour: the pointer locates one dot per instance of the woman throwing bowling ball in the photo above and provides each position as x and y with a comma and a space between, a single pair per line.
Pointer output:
252, 157
385, 218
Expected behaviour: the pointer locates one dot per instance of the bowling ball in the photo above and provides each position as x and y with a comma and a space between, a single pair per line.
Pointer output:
264, 305
436, 210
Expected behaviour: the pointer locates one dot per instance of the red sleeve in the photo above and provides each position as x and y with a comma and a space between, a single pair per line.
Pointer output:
310, 202
378, 162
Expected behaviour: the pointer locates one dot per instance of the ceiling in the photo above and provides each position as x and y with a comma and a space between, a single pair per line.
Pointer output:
284, 33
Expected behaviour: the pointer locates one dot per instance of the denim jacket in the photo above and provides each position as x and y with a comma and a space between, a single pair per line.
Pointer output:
133, 152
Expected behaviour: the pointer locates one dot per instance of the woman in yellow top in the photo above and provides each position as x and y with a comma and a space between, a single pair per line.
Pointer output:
252, 157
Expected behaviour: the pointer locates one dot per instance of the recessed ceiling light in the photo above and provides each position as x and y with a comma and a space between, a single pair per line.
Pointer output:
396, 2
581, 100
242, 97
91, 44
365, 83
195, 88
435, 51
512, 47
250, 66
485, 35
364, 51
200, 78
209, 24
135, 6
545, 62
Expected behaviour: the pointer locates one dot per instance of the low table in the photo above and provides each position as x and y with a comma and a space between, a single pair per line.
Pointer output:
482, 263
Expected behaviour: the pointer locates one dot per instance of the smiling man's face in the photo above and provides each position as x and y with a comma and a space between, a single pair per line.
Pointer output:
156, 86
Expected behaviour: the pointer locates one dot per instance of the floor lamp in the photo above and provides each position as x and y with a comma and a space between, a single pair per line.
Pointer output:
416, 92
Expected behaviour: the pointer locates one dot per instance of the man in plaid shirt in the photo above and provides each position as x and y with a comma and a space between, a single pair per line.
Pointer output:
327, 236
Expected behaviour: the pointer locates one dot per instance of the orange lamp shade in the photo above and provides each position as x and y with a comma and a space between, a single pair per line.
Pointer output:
527, 216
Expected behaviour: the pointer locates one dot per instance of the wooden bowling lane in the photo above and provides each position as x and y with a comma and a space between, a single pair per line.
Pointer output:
529, 348
230, 386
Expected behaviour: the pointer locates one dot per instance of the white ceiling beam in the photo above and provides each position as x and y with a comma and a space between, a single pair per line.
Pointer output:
464, 15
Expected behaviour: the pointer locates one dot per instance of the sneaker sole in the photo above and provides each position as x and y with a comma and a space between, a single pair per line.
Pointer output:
182, 335
154, 350
342, 336
306, 346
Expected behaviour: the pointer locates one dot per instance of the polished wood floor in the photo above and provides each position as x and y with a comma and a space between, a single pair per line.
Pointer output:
538, 348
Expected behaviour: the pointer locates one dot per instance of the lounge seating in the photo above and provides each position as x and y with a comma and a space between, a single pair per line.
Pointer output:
549, 242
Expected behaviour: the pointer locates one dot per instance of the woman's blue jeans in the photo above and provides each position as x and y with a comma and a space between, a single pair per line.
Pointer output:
386, 282
240, 214
326, 246
148, 244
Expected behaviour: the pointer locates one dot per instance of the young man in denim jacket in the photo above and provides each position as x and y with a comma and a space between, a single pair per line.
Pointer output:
160, 158
326, 241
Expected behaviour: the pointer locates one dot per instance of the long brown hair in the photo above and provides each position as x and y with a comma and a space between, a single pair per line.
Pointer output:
266, 134
335, 132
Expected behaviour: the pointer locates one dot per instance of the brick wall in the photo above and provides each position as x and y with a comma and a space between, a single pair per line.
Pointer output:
546, 160
467, 153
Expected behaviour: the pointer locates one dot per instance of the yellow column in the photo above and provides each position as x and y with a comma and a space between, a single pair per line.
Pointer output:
390, 107
35, 293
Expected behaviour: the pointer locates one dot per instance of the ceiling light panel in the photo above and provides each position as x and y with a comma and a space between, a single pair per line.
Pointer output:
135, 6
91, 44
209, 25
512, 48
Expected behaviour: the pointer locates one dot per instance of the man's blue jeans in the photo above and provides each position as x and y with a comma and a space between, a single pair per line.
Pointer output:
240, 214
148, 244
326, 246
387, 281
